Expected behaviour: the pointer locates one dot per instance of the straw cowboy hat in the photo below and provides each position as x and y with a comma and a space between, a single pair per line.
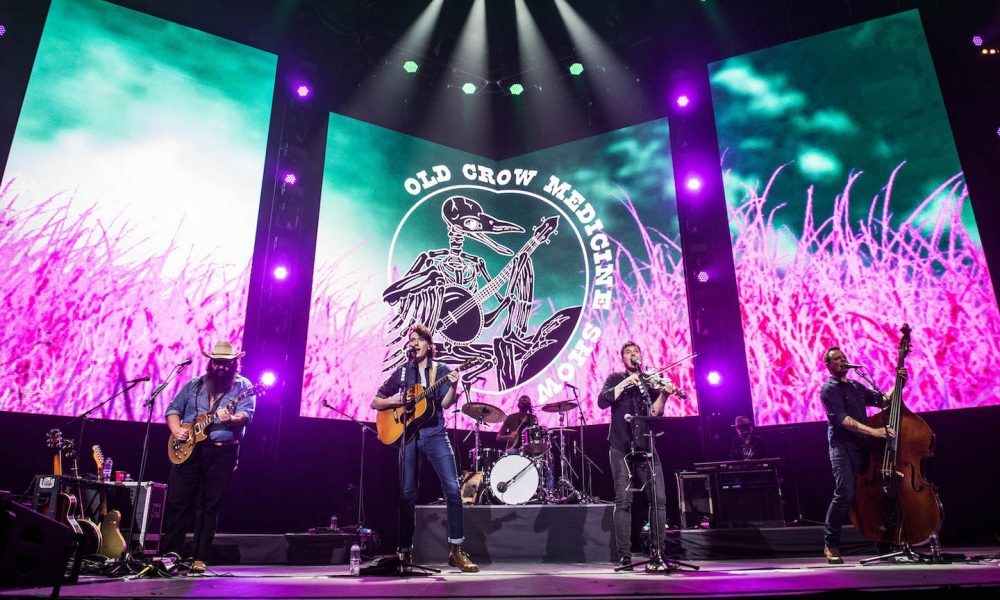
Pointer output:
224, 351
741, 421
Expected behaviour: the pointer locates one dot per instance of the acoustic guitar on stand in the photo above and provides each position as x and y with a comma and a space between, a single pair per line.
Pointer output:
178, 451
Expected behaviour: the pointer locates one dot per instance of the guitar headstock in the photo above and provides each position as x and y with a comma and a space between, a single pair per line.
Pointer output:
54, 439
548, 227
469, 363
98, 458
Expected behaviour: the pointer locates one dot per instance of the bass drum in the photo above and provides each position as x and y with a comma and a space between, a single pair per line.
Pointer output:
514, 480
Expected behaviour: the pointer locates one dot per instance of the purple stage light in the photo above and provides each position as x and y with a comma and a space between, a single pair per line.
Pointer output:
3, 30
683, 100
977, 40
693, 183
268, 378
998, 131
714, 378
281, 272
702, 276
290, 179
302, 91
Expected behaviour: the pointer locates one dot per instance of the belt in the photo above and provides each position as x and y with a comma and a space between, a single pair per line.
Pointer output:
227, 443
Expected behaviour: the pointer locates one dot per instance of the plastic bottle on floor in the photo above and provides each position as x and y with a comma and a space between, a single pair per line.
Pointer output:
355, 560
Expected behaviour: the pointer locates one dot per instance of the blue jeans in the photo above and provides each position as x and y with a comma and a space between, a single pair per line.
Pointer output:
437, 449
848, 461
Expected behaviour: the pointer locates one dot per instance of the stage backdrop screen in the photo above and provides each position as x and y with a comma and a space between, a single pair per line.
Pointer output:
129, 207
539, 266
849, 216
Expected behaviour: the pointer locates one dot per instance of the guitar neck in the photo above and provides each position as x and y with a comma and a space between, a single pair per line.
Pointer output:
491, 288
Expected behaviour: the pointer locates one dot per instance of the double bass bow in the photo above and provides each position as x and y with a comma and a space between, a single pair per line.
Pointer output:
894, 503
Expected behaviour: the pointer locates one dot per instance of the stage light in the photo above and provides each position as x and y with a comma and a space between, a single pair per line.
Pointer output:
410, 66
469, 88
575, 69
268, 378
693, 183
290, 178
281, 272
714, 378
516, 90
993, 50
702, 276
998, 131
977, 40
302, 91
3, 30
683, 101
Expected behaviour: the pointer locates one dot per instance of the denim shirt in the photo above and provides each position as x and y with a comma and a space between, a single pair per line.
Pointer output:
391, 386
193, 400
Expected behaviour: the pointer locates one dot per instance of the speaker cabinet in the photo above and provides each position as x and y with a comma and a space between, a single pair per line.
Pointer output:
34, 549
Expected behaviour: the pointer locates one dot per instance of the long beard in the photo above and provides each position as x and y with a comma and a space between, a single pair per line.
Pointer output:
220, 382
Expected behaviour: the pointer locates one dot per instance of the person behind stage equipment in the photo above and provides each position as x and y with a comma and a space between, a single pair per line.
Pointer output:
431, 442
747, 445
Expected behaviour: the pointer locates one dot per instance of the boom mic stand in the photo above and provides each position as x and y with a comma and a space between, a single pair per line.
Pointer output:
361, 476
148, 404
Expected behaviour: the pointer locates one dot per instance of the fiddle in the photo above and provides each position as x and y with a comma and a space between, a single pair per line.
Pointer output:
659, 382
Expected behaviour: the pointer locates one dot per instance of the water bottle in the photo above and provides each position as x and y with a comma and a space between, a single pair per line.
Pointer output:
355, 559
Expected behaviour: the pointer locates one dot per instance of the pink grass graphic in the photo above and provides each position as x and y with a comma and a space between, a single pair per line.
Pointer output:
853, 284
347, 336
81, 316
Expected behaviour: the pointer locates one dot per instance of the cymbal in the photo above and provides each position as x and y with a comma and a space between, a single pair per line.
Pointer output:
561, 406
480, 411
564, 429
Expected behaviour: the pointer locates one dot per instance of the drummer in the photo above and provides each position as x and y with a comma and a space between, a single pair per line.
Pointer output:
510, 432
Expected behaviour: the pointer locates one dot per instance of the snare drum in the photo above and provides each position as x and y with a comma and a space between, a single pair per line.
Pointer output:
485, 460
514, 480
534, 440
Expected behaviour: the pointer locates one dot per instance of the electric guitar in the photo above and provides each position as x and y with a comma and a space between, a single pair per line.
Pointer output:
178, 451
416, 410
66, 505
113, 542
462, 314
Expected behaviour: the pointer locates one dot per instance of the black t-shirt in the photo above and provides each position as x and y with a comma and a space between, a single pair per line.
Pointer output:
511, 423
631, 402
845, 399
757, 448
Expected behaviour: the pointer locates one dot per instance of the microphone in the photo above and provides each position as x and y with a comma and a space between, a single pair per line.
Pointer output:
571, 386
852, 366
137, 380
636, 363
184, 363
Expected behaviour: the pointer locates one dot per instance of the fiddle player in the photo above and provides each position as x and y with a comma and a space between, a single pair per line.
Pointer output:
622, 394
844, 401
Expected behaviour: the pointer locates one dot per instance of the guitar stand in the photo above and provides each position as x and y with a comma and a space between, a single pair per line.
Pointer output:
907, 555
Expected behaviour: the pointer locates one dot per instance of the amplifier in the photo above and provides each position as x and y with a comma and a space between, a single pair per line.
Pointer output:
749, 499
694, 498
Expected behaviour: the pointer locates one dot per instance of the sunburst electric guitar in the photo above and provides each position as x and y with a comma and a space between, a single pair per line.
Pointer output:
417, 410
178, 451
112, 540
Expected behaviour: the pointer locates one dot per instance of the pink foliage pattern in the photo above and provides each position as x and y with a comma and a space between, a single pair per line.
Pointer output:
853, 285
82, 317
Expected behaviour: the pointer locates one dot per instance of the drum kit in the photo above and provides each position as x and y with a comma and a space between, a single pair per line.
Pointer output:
520, 478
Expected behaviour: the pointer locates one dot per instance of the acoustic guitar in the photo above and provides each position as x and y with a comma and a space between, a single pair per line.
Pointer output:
113, 542
416, 410
178, 451
66, 504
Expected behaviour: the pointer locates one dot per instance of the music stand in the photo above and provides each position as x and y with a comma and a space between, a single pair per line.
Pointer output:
361, 476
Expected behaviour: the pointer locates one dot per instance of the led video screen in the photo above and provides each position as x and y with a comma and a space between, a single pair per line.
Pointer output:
129, 206
540, 266
849, 216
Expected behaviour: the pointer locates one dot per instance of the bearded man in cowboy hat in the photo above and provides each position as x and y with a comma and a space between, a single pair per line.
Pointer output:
196, 486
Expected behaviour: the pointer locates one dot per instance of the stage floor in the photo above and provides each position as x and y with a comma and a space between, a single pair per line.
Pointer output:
518, 580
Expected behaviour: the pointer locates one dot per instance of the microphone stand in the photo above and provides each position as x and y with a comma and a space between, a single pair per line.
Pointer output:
148, 404
84, 416
361, 475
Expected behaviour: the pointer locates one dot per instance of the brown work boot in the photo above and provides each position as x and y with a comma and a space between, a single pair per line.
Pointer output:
198, 566
458, 558
832, 555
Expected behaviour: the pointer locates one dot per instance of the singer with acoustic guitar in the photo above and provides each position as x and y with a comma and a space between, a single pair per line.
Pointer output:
195, 486
430, 441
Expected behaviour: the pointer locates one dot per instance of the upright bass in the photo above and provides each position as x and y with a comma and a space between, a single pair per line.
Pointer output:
894, 503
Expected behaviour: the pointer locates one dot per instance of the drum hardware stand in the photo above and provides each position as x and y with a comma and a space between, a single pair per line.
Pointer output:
565, 484
361, 529
656, 529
